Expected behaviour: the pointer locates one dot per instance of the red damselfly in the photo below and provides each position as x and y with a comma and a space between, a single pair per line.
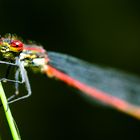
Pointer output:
109, 86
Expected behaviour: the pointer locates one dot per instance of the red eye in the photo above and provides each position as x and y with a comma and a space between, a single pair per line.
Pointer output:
17, 44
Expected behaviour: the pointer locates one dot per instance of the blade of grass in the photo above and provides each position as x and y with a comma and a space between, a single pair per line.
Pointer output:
8, 114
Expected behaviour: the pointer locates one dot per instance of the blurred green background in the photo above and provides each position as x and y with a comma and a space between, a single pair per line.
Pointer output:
101, 32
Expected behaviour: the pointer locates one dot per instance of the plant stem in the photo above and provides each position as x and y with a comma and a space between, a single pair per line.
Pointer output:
8, 114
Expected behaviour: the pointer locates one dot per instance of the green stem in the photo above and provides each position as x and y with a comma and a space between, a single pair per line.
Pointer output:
8, 114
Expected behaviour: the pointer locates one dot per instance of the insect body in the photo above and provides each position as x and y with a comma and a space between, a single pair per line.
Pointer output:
106, 85
34, 57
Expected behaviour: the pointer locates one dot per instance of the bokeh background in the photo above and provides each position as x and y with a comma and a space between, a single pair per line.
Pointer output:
101, 32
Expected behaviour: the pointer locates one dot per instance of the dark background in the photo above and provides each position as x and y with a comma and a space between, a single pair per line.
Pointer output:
102, 32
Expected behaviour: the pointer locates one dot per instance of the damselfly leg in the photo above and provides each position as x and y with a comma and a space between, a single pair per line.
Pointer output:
20, 72
24, 79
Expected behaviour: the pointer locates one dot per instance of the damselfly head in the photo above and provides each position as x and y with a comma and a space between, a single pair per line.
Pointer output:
10, 43
10, 46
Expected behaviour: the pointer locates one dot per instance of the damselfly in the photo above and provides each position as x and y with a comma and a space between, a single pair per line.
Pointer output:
109, 86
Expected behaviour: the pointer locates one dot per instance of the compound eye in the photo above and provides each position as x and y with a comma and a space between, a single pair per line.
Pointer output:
17, 44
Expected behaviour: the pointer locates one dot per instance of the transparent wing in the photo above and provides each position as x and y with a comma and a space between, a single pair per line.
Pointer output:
114, 82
